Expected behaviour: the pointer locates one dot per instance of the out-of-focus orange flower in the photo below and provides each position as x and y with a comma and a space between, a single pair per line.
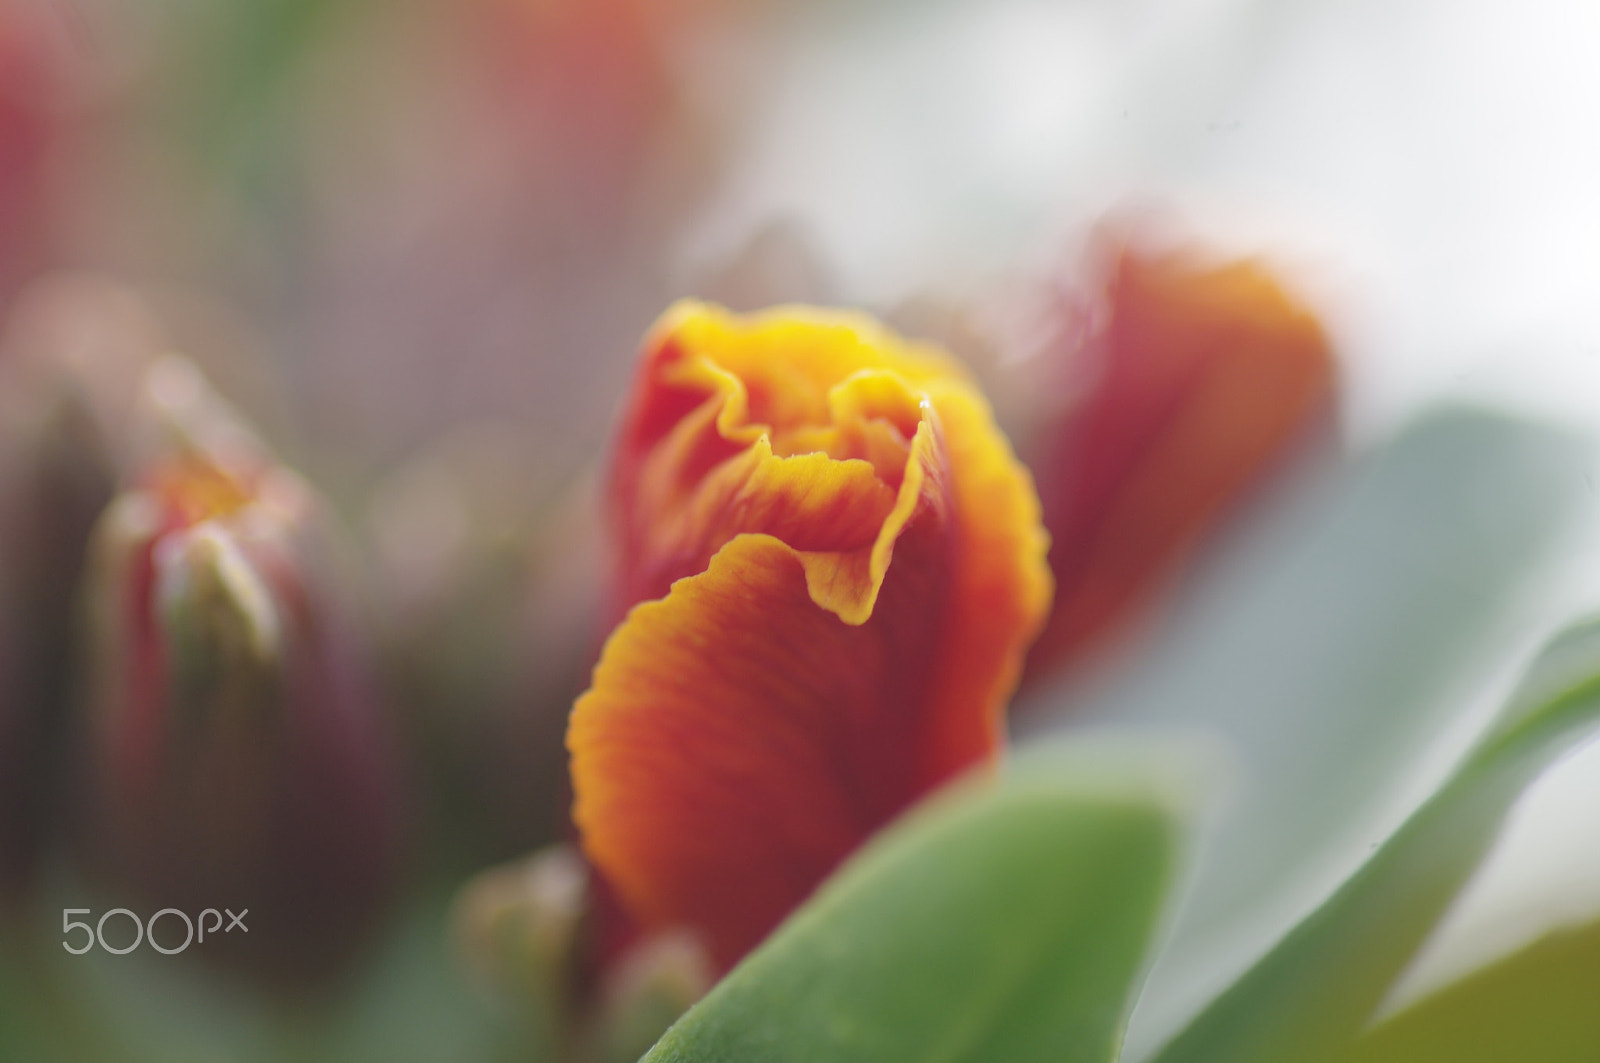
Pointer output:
839, 565
1197, 381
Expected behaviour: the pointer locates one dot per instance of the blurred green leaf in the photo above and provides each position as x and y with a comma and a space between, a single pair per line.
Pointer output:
410, 1002
417, 1005
1308, 998
1538, 1004
1000, 921
1330, 644
31, 1009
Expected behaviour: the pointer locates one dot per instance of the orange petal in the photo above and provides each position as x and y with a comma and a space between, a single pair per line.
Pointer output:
733, 427
1205, 376
847, 622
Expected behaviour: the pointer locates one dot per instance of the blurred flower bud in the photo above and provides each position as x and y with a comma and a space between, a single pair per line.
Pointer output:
518, 929
1189, 380
646, 990
523, 930
238, 758
69, 360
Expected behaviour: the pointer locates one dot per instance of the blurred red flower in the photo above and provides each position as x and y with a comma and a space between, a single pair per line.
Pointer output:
1197, 381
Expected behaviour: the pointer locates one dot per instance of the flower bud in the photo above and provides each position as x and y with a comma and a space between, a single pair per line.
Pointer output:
645, 992
828, 567
518, 929
525, 932
238, 755
69, 362
1196, 379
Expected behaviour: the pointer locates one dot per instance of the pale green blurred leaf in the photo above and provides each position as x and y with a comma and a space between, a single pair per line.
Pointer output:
1311, 995
1330, 644
1539, 1004
1000, 922
416, 1005
409, 1002
38, 1019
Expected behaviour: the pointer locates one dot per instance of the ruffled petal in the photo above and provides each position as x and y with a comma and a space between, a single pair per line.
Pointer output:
855, 587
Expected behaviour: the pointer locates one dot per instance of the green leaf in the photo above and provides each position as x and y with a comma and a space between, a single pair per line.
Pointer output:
1329, 646
1000, 921
410, 1003
1538, 1004
1309, 997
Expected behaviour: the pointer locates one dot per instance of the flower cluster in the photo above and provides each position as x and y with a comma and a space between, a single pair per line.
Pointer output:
829, 566
767, 692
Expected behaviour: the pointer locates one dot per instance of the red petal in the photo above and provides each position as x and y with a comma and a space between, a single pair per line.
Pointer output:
1205, 376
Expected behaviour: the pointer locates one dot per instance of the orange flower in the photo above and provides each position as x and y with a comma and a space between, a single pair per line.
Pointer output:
1199, 380
840, 565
